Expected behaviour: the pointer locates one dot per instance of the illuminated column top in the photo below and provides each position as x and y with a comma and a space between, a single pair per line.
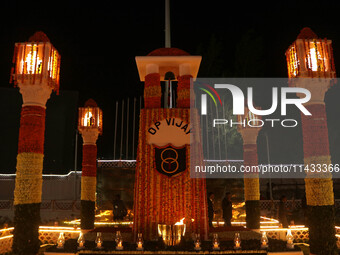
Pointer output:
310, 57
35, 70
90, 122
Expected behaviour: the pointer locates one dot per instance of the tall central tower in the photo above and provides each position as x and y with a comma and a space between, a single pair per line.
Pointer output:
164, 193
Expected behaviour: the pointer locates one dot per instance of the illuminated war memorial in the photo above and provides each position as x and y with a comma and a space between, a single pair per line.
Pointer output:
170, 202
164, 191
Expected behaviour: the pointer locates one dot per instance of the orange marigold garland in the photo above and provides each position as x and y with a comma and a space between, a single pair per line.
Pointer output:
251, 187
183, 91
316, 151
88, 186
315, 131
28, 182
319, 187
32, 129
159, 193
89, 165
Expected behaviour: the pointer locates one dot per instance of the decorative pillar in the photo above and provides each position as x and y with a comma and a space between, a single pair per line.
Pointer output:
311, 66
251, 179
36, 72
90, 126
152, 91
183, 91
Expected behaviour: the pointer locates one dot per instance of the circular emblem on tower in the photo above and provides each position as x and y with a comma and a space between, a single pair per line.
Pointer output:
170, 160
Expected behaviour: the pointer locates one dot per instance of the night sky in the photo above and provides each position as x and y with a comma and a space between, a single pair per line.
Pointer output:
98, 40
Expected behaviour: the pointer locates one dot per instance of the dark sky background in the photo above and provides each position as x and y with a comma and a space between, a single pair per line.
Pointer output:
98, 41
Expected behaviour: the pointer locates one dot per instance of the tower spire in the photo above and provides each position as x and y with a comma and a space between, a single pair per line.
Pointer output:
167, 24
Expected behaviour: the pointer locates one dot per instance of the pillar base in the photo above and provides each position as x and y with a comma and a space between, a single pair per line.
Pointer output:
253, 214
26, 229
87, 214
321, 230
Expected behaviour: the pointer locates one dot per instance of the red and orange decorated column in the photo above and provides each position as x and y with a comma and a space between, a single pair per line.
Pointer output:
311, 66
90, 126
198, 185
183, 91
36, 73
152, 88
251, 179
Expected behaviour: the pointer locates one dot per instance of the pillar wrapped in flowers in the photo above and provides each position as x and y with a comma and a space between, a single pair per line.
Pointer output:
183, 91
36, 72
251, 179
90, 126
160, 198
152, 91
311, 66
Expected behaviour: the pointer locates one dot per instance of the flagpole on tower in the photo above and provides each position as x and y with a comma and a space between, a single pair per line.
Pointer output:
167, 24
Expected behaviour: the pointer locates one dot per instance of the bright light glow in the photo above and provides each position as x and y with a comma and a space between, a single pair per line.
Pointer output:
270, 219
317, 61
88, 118
282, 229
238, 205
6, 229
55, 227
46, 175
297, 226
314, 60
32, 62
180, 222
293, 62
52, 65
269, 227
6, 237
59, 230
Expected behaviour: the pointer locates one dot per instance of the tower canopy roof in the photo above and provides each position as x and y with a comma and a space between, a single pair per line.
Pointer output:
39, 36
307, 33
91, 103
168, 52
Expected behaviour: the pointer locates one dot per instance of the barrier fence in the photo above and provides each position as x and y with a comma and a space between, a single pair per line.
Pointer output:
71, 205
53, 205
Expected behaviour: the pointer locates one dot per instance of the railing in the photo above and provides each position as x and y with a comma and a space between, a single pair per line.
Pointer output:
105, 163
71, 205
300, 234
270, 204
53, 205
